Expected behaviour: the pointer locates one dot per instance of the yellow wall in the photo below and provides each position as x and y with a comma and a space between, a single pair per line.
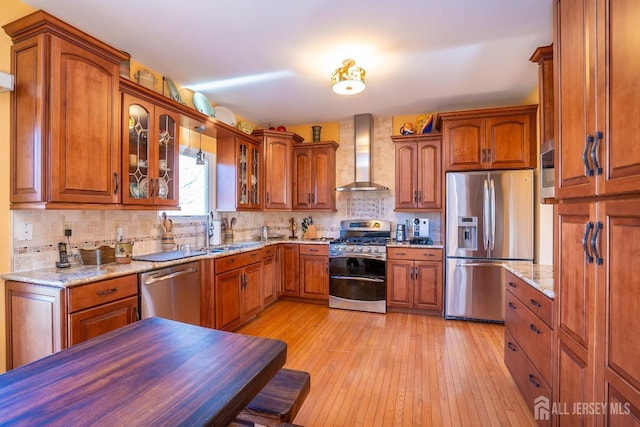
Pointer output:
11, 10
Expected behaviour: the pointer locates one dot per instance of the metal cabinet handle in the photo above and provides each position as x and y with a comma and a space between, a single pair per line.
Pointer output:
511, 346
535, 303
512, 306
534, 329
594, 243
267, 197
411, 272
585, 239
415, 196
117, 180
107, 291
513, 285
585, 156
420, 196
534, 381
594, 153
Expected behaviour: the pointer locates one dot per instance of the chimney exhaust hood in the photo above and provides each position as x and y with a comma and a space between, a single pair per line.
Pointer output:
363, 133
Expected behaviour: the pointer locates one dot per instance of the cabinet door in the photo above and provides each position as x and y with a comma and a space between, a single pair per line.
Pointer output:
429, 184
428, 285
228, 312
575, 100
290, 268
617, 71
619, 298
36, 322
165, 182
92, 322
314, 277
400, 275
464, 140
323, 179
574, 364
85, 143
509, 142
406, 175
278, 169
302, 179
252, 290
269, 279
249, 170
138, 130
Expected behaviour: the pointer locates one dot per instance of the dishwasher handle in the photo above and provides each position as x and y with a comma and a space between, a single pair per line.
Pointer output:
152, 280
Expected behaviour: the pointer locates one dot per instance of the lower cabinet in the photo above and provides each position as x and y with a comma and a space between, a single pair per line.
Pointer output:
238, 289
42, 320
290, 269
270, 274
415, 279
314, 271
528, 343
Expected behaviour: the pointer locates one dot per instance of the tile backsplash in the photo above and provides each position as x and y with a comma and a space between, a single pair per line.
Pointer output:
96, 228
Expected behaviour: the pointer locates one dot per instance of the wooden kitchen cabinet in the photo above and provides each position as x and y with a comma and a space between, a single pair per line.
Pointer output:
239, 173
42, 320
150, 153
290, 269
496, 138
418, 172
598, 129
238, 289
529, 340
415, 279
314, 176
270, 274
277, 153
597, 278
65, 139
314, 271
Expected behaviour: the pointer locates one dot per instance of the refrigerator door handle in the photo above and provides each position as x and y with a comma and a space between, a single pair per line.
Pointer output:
492, 237
485, 214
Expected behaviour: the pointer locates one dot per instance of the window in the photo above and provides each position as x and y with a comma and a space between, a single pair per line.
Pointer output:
196, 184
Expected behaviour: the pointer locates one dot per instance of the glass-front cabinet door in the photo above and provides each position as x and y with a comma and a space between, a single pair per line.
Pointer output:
248, 175
150, 147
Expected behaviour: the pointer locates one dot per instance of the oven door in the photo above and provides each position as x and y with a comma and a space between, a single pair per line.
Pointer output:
358, 283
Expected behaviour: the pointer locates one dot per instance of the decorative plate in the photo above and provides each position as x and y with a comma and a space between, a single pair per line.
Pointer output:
135, 192
203, 105
245, 127
225, 115
173, 91
143, 188
163, 188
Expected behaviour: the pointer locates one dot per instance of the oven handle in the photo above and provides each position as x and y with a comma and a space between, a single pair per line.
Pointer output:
358, 255
361, 279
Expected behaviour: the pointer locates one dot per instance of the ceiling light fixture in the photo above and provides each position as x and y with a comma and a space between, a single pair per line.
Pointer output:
348, 80
200, 155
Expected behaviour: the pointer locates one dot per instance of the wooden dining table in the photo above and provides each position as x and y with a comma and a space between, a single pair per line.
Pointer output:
152, 372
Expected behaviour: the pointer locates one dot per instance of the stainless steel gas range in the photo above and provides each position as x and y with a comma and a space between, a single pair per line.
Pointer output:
357, 266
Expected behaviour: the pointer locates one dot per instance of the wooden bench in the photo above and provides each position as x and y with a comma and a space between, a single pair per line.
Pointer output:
279, 401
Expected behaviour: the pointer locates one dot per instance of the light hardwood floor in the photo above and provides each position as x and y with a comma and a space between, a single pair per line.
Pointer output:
394, 369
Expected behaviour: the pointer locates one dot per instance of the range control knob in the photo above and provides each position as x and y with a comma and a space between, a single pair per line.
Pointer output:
375, 249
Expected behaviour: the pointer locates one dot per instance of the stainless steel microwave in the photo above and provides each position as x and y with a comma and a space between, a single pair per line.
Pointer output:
547, 175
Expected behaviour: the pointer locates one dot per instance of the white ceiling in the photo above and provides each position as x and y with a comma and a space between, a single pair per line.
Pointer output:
420, 55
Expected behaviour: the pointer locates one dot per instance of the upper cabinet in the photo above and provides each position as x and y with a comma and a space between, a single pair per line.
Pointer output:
496, 138
150, 153
239, 172
314, 172
597, 90
277, 148
418, 172
65, 142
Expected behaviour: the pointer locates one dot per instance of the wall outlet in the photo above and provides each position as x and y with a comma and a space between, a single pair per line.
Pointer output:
26, 232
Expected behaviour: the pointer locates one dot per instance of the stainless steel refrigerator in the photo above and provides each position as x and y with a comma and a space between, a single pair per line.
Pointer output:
489, 222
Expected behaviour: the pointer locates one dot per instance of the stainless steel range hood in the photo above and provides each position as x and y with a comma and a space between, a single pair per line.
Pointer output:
363, 132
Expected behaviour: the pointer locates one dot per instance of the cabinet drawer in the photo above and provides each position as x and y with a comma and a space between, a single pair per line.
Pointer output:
268, 251
92, 294
314, 250
533, 335
536, 301
231, 262
415, 254
525, 375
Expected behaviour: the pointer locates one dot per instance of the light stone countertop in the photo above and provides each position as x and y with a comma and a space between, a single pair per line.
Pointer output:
394, 244
79, 274
538, 276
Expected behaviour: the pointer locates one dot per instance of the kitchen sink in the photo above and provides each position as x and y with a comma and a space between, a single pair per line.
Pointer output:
233, 247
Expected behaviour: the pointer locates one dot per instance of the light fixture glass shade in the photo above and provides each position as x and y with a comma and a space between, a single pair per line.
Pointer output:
348, 79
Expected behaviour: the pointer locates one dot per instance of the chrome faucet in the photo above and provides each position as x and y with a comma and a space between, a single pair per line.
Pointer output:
209, 231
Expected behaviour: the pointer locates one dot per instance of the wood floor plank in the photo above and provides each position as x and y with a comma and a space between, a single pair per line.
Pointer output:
394, 369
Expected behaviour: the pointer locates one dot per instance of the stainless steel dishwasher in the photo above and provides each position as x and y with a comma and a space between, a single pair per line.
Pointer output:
172, 293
